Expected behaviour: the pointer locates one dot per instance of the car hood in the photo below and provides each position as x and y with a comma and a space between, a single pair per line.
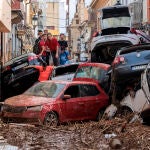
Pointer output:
26, 100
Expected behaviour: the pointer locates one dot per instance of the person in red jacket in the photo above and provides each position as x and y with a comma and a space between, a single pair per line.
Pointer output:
51, 49
42, 46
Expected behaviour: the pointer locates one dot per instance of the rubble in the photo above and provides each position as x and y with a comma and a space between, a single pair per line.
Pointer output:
87, 135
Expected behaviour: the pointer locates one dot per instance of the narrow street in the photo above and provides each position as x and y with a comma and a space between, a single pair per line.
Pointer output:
74, 74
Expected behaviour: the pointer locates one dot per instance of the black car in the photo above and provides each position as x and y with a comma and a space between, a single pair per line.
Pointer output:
64, 72
128, 65
16, 77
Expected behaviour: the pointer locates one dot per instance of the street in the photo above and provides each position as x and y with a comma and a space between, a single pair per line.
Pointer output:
82, 136
74, 74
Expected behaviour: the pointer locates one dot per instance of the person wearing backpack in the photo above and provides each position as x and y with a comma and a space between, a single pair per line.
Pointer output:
36, 48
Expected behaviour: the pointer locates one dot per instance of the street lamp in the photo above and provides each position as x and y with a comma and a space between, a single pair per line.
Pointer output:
34, 21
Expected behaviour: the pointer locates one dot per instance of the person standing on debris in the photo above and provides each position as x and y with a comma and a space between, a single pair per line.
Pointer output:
42, 47
36, 48
64, 56
51, 49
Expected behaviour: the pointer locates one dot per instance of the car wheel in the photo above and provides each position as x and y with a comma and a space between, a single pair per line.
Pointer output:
51, 119
100, 115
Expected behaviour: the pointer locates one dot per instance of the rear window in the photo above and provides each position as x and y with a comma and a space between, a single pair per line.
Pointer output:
134, 49
110, 12
66, 69
90, 72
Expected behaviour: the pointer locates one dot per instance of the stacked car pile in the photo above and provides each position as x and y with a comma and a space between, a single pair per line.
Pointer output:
112, 77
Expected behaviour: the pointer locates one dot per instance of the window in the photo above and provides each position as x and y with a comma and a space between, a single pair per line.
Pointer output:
88, 90
91, 72
73, 91
77, 21
44, 89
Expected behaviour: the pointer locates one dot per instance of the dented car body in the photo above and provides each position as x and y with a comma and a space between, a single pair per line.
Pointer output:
96, 72
70, 101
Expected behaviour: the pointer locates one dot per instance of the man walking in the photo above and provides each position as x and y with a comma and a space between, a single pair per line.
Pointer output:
52, 49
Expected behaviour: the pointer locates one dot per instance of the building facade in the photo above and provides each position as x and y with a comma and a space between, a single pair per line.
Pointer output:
5, 28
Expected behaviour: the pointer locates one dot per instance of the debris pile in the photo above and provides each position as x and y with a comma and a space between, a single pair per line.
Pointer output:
87, 135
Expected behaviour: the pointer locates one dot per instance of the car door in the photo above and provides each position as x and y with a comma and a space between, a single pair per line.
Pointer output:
91, 99
74, 106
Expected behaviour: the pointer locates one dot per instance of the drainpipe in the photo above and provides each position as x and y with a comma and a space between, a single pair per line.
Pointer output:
1, 49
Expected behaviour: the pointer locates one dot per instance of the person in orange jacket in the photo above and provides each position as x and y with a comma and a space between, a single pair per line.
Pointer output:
44, 71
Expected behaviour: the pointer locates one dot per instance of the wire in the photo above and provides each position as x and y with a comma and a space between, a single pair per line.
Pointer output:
55, 18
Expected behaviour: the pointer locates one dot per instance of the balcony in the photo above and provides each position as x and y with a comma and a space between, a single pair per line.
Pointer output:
17, 9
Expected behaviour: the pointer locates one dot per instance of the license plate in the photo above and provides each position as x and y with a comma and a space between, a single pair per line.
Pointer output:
140, 67
20, 66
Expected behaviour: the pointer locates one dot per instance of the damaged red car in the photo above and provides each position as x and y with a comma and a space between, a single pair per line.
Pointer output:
54, 102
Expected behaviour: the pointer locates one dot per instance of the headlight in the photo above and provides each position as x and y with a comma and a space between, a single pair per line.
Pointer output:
34, 108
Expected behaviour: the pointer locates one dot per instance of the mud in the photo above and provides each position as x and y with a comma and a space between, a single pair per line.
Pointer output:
82, 136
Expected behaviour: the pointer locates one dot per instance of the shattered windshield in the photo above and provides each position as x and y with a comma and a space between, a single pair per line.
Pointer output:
90, 72
115, 22
45, 89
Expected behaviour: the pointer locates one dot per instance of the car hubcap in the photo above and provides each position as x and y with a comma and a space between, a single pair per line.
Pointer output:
51, 119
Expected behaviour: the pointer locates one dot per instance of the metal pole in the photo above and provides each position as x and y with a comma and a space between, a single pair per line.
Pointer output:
1, 49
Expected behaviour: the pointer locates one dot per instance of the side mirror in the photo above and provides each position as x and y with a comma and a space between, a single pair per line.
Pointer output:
66, 97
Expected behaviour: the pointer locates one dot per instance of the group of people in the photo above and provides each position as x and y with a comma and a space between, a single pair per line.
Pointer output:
48, 47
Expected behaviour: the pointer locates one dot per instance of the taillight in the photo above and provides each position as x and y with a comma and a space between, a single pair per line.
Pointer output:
7, 68
118, 60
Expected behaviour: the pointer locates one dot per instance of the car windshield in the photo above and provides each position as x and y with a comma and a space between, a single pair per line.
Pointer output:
116, 22
90, 72
50, 89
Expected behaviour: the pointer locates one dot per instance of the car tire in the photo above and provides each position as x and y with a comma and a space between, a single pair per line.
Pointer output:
51, 119
100, 115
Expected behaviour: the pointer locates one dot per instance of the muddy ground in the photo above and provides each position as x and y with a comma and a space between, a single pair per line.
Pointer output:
79, 136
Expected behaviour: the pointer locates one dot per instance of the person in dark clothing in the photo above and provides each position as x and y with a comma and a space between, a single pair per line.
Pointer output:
62, 42
64, 55
36, 48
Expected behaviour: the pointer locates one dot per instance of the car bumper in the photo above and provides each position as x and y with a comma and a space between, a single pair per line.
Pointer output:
25, 117
125, 73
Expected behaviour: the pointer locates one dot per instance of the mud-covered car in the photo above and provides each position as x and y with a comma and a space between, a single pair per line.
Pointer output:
53, 102
97, 72
16, 76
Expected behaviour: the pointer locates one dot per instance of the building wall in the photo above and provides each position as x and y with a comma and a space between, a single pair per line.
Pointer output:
5, 16
52, 14
5, 26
